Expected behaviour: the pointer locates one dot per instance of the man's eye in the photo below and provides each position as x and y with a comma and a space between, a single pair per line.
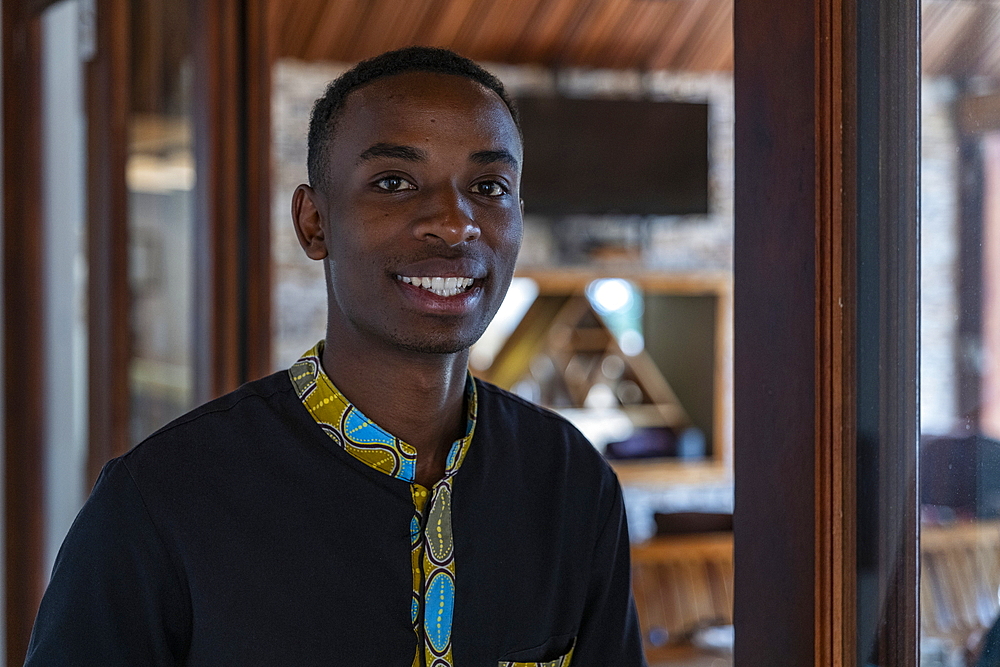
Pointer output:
490, 189
394, 184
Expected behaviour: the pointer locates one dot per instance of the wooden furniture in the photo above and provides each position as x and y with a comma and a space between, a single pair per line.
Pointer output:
681, 583
959, 579
562, 330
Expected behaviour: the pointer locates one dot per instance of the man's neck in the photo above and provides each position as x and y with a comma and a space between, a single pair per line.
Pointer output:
419, 398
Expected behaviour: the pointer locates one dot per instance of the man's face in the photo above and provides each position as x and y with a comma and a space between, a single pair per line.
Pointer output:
421, 211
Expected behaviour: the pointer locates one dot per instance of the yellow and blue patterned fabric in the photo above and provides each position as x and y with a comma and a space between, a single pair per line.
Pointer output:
431, 544
558, 662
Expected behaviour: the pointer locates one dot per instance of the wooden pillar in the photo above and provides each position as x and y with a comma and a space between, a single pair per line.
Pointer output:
775, 379
23, 339
231, 118
108, 297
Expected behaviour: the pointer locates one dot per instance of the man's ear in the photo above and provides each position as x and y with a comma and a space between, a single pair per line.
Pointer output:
309, 222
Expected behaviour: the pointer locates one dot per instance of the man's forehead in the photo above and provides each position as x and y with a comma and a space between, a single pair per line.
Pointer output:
412, 84
400, 102
426, 89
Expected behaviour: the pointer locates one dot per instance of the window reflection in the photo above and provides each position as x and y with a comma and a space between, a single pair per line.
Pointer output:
960, 335
160, 175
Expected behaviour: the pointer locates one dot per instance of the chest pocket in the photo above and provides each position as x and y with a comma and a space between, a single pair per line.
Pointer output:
542, 656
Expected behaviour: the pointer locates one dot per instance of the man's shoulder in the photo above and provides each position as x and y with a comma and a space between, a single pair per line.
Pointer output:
267, 393
260, 411
538, 436
494, 395
499, 407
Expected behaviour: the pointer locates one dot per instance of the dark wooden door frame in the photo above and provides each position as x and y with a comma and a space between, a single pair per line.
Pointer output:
808, 116
23, 339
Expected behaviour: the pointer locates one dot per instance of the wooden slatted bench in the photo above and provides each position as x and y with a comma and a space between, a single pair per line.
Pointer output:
681, 583
959, 579
685, 582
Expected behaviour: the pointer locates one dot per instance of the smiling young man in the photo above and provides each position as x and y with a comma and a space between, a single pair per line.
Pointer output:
373, 505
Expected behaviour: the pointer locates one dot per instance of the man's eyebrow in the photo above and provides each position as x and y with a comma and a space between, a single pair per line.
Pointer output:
489, 157
408, 153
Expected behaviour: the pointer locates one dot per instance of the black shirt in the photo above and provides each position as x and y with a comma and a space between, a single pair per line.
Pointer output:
242, 535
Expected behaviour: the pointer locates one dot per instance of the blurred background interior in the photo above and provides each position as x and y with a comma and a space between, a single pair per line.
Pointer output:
159, 293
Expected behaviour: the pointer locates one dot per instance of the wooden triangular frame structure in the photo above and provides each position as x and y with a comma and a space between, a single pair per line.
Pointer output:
568, 332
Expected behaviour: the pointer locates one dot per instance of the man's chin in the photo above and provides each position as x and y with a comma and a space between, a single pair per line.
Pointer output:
438, 346
440, 336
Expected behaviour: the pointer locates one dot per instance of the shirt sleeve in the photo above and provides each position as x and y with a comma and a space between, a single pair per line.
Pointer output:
115, 598
609, 632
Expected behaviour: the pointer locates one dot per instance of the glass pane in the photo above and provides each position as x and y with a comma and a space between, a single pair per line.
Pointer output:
160, 178
64, 139
625, 293
960, 334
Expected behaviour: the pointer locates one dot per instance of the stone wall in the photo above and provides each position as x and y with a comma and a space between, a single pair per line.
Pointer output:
938, 256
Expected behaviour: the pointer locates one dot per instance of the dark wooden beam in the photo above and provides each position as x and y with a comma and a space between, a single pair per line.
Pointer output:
231, 118
108, 302
258, 47
23, 335
218, 209
775, 375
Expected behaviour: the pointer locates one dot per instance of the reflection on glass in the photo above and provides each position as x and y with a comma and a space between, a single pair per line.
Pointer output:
66, 269
960, 335
160, 176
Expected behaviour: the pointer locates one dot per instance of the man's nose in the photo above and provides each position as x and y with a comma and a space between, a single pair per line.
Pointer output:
449, 217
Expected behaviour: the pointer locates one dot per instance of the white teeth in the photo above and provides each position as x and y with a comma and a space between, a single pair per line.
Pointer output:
441, 286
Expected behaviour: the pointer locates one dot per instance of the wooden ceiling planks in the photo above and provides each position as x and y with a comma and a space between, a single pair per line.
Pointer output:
990, 61
295, 25
544, 39
589, 33
702, 43
715, 50
479, 30
649, 29
333, 26
668, 51
960, 37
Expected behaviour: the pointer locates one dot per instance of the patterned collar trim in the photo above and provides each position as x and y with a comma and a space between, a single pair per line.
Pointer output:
361, 437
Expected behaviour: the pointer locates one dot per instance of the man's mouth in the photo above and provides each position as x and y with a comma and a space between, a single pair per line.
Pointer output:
441, 286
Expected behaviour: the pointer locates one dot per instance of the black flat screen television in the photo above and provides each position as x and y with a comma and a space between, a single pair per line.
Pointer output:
600, 157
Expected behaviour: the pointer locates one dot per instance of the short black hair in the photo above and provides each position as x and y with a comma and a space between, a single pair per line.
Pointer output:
328, 108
